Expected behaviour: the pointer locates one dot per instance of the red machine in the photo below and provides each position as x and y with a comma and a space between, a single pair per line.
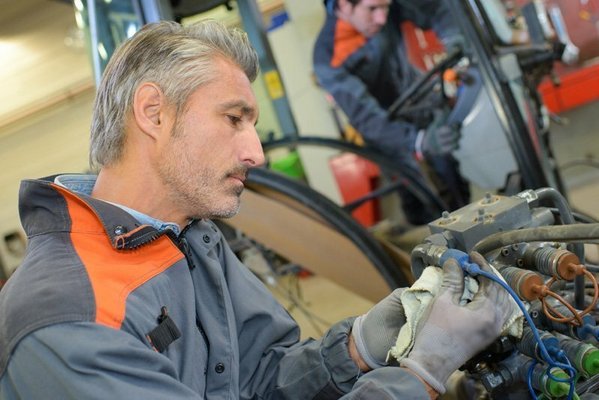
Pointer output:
577, 84
573, 85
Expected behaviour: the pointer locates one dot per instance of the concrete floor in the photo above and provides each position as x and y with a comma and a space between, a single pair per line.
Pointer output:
576, 147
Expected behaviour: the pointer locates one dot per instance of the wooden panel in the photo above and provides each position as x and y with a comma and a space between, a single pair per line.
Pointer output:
310, 243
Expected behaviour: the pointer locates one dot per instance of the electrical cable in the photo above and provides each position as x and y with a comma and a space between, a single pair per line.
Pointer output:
531, 390
473, 270
551, 313
311, 317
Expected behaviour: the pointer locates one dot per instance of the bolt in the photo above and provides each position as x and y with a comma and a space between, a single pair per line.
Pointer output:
481, 215
446, 218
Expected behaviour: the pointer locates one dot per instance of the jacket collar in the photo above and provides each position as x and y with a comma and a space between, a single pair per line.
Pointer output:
47, 206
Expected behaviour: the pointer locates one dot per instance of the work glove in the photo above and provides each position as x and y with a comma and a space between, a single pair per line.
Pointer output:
451, 333
376, 331
454, 42
438, 138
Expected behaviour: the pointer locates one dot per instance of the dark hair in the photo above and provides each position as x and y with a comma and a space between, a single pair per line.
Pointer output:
332, 5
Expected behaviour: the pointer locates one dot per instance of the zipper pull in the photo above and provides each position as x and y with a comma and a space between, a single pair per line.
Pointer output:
184, 247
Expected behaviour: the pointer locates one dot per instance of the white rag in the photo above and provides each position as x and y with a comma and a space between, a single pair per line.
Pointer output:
415, 301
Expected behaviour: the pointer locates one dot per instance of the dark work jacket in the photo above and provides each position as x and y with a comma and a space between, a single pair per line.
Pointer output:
365, 76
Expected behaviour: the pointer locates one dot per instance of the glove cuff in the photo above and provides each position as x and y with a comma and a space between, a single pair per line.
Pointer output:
418, 145
424, 374
361, 344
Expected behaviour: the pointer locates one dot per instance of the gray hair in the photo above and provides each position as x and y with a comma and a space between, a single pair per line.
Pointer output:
177, 58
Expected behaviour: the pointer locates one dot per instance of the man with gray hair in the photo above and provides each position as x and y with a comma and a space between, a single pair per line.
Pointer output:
129, 291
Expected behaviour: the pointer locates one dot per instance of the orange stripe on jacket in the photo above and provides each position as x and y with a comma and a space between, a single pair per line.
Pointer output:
114, 274
347, 41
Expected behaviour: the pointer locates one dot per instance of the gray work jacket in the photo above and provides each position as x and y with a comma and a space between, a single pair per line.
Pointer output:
84, 317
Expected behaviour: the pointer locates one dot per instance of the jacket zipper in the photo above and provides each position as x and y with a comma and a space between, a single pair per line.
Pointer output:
182, 244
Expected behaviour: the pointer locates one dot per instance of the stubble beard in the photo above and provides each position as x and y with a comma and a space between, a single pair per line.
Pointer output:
199, 192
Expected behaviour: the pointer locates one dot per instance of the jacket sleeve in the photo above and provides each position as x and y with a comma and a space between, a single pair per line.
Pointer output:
88, 361
388, 383
393, 137
383, 383
323, 370
276, 365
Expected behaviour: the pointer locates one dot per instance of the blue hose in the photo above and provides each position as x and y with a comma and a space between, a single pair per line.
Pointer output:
474, 269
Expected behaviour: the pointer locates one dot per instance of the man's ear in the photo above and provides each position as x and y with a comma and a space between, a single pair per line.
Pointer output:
149, 106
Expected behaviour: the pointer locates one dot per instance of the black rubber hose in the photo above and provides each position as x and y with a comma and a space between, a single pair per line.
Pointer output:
567, 217
447, 62
578, 216
565, 212
336, 217
557, 233
415, 184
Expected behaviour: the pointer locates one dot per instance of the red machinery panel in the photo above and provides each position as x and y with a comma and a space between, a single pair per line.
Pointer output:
423, 47
356, 177
578, 84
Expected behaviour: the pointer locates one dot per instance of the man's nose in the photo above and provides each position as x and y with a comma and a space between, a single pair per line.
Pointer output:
251, 148
380, 16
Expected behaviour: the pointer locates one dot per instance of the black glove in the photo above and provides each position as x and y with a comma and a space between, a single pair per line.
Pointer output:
453, 42
438, 138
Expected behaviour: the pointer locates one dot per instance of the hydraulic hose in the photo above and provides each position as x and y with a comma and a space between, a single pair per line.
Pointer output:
567, 217
565, 213
557, 233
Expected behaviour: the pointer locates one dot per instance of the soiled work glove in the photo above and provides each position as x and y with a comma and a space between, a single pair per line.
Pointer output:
438, 138
451, 334
376, 331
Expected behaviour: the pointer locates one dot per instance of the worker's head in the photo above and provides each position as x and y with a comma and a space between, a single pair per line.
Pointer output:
179, 100
367, 16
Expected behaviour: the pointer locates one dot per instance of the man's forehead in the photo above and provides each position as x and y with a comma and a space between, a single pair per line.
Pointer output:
375, 3
240, 104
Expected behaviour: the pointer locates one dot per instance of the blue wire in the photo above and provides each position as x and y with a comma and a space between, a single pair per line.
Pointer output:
474, 269
529, 379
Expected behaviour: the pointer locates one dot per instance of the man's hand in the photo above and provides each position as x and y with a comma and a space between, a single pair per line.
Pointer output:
438, 138
451, 334
436, 141
375, 332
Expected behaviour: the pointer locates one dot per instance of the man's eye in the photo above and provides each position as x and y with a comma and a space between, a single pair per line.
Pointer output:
234, 119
